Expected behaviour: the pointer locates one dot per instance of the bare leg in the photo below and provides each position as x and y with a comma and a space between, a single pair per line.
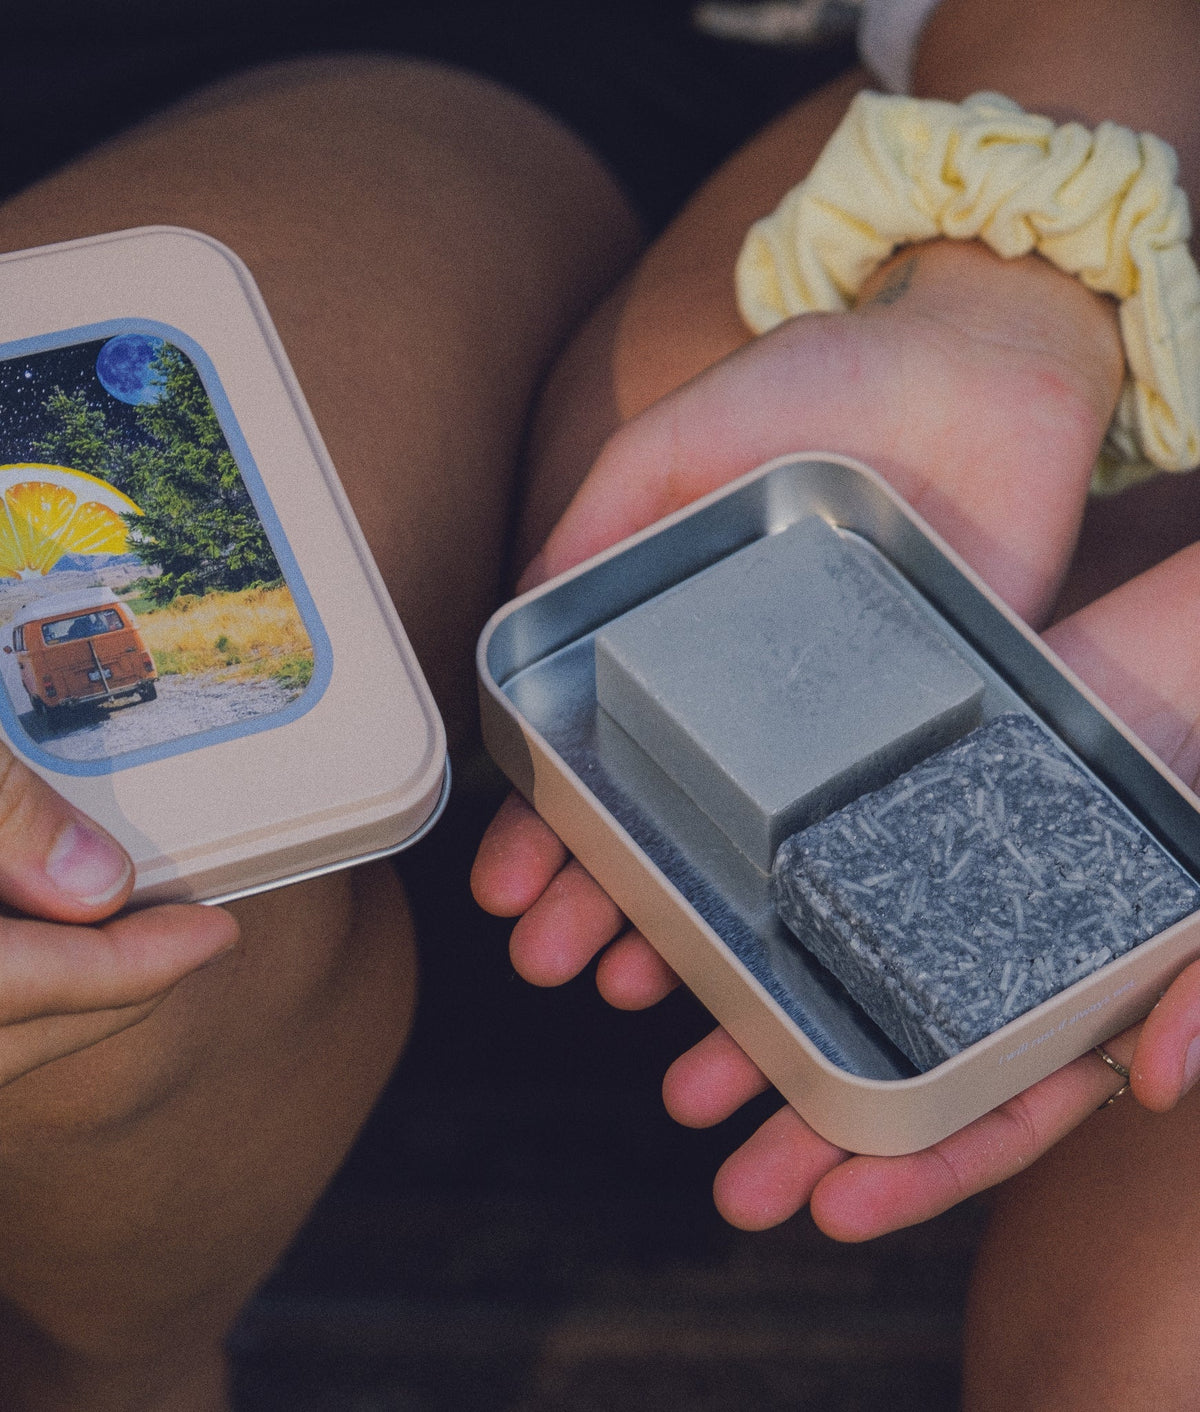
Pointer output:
1087, 1291
424, 242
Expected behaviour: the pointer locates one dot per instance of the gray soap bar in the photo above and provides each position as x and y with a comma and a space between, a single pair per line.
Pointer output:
783, 681
979, 884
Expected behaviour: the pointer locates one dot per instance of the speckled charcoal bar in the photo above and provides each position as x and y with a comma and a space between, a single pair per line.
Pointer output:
782, 681
989, 877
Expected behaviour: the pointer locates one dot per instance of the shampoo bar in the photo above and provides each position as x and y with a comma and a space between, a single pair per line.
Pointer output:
979, 884
783, 681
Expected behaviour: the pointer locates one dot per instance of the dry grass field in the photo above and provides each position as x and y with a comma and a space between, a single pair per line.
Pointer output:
255, 633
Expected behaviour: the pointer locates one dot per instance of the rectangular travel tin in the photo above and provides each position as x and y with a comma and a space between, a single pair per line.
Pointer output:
706, 909
179, 560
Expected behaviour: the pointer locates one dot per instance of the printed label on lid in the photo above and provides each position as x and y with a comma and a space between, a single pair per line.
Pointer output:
149, 602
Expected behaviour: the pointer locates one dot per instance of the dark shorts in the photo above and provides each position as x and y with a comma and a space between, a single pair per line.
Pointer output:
661, 104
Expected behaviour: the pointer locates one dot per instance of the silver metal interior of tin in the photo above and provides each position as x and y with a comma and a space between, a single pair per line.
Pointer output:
541, 658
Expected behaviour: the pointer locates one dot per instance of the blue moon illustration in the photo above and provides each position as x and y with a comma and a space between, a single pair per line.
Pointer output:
125, 366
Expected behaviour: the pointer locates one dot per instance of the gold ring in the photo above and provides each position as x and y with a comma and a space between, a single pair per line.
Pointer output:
1118, 1068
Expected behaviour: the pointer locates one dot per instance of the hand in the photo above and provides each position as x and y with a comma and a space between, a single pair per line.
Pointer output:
65, 984
981, 390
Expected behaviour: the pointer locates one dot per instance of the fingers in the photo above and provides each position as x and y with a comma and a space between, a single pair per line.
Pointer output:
1166, 1063
772, 1175
786, 1165
517, 857
523, 870
558, 936
48, 969
869, 1196
63, 985
631, 975
54, 862
711, 1082
63, 989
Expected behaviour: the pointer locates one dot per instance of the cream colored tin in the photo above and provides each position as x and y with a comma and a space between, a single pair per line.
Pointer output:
198, 649
706, 908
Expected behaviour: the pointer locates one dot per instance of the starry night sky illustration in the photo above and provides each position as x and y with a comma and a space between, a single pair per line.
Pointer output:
26, 383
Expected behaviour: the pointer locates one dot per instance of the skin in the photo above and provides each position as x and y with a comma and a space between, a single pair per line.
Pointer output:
172, 1107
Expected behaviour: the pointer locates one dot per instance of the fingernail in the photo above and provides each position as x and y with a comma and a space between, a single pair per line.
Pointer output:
87, 864
1191, 1065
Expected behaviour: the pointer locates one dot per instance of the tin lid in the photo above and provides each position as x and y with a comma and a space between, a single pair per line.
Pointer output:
198, 649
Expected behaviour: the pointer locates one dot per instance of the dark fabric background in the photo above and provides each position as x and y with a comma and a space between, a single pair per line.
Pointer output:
661, 103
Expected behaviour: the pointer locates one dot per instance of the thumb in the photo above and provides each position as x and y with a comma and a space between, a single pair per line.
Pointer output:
1166, 1063
1137, 648
727, 420
54, 861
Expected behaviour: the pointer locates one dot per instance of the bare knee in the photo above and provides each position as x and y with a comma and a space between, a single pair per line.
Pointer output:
354, 149
1086, 1294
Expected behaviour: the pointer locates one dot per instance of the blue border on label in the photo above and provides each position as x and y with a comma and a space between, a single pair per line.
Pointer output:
322, 648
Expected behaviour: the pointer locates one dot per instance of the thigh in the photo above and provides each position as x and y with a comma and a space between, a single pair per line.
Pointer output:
1086, 1296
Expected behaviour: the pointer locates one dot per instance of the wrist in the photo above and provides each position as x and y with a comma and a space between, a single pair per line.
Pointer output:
1023, 307
1102, 206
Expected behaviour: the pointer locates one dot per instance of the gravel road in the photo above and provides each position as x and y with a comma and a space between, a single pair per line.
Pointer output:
185, 706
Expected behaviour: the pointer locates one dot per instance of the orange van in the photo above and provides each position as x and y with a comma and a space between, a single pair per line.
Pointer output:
78, 648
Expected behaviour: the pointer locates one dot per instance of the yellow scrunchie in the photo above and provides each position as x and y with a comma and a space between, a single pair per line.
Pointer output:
1101, 205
